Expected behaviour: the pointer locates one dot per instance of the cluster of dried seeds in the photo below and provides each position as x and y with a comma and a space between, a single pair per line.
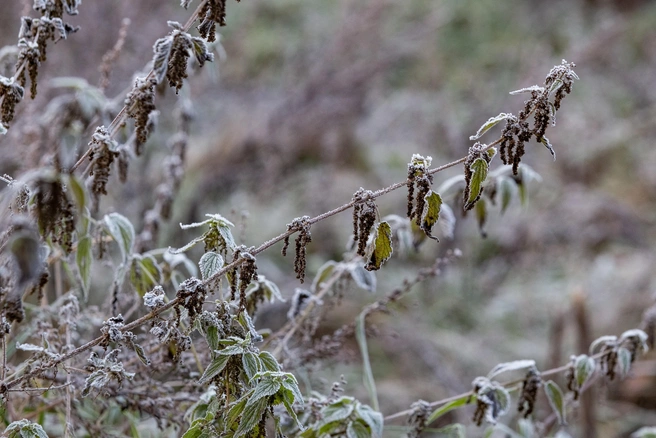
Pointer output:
302, 226
364, 218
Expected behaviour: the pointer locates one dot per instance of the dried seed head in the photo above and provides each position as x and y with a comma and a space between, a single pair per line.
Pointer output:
11, 94
364, 217
29, 56
193, 294
417, 420
411, 191
609, 360
33, 36
54, 211
300, 300
212, 13
140, 102
247, 271
572, 385
56, 8
530, 387
419, 177
103, 152
302, 226
177, 67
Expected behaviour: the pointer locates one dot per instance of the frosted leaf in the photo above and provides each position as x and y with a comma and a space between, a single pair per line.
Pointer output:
530, 89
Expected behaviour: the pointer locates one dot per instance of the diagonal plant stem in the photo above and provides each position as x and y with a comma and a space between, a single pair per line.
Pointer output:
4, 385
512, 383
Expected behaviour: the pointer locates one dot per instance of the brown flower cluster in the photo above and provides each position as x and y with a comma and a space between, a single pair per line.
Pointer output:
530, 386
33, 39
103, 152
212, 12
419, 178
364, 217
242, 275
543, 105
302, 226
11, 94
140, 102
54, 211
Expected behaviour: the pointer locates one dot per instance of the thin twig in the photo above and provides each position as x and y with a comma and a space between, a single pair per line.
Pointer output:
444, 401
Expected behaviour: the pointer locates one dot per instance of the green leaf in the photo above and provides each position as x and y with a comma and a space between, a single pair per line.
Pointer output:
145, 273
584, 368
215, 367
526, 428
635, 337
547, 144
265, 388
188, 246
506, 189
24, 429
232, 350
269, 362
290, 410
251, 416
455, 404
236, 410
361, 337
431, 213
456, 430
607, 340
556, 400
624, 361
447, 221
510, 366
455, 183
338, 410
84, 261
481, 216
644, 432
364, 279
251, 364
212, 337
162, 50
373, 418
382, 247
226, 234
473, 190
174, 260
291, 385
122, 231
209, 264
141, 353
491, 122
324, 272
356, 429
80, 196
195, 431
200, 51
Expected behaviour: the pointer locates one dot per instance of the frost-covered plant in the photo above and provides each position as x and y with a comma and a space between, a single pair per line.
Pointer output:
177, 340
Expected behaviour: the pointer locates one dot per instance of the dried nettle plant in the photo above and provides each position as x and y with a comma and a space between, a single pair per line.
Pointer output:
175, 341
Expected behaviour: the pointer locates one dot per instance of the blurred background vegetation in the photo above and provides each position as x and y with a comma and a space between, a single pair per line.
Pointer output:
314, 99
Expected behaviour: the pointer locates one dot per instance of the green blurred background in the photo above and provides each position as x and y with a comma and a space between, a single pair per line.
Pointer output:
313, 99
